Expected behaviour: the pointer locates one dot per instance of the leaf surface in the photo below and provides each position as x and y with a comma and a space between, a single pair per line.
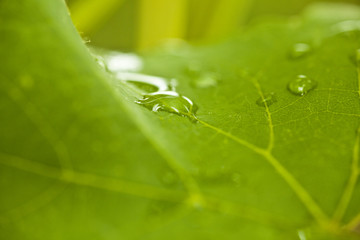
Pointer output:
79, 159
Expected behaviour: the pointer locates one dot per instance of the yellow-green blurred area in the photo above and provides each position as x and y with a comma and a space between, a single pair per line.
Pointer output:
131, 25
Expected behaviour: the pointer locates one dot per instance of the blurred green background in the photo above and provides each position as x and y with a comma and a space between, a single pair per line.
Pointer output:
133, 25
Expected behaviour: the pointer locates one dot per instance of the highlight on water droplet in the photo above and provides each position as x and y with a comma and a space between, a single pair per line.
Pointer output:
123, 62
267, 100
169, 101
145, 82
299, 50
114, 61
301, 85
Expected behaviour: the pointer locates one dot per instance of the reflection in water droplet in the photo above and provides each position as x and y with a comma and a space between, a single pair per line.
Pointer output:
269, 99
160, 84
301, 85
299, 50
169, 101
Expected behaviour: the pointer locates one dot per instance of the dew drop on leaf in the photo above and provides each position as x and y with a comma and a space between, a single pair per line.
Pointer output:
346, 27
201, 78
114, 61
145, 82
267, 100
169, 101
301, 85
300, 50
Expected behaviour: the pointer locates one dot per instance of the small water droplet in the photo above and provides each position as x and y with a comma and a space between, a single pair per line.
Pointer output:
267, 100
346, 27
300, 50
301, 85
201, 78
169, 101
206, 80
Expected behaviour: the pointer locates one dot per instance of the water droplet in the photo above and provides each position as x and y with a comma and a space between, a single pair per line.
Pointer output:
346, 27
123, 62
114, 61
301, 85
145, 82
201, 78
206, 80
300, 50
267, 100
169, 101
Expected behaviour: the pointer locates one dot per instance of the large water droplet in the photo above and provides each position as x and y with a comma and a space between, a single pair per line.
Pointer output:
301, 85
169, 101
267, 100
145, 82
300, 50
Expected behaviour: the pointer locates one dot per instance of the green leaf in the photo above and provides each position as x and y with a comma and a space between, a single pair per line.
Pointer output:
80, 160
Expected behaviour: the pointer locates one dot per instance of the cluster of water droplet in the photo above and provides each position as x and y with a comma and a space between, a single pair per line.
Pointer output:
158, 93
